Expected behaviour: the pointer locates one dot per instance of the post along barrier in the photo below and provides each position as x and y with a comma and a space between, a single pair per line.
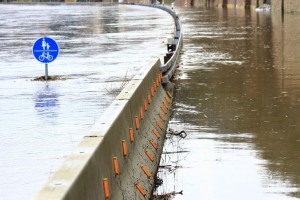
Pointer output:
119, 158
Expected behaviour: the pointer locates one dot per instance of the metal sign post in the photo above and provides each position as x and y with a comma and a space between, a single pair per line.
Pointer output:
45, 50
46, 71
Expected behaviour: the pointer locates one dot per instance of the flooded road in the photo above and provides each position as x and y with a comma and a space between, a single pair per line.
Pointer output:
101, 47
237, 97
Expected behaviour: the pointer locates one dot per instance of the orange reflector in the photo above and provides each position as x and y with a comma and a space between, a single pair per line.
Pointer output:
159, 125
106, 188
149, 98
161, 117
153, 144
169, 94
124, 147
156, 133
149, 156
145, 105
157, 82
116, 165
146, 171
163, 109
165, 105
131, 135
137, 124
141, 114
168, 100
154, 86
140, 189
152, 91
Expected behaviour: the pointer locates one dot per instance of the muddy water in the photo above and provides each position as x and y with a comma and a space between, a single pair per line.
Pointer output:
238, 99
101, 47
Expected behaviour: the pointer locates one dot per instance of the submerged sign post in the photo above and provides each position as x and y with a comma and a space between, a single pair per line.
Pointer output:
45, 50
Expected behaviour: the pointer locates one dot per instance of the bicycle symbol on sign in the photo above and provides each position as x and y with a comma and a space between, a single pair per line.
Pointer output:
45, 56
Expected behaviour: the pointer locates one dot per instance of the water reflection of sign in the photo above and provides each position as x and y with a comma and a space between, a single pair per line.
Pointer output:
45, 50
46, 102
46, 98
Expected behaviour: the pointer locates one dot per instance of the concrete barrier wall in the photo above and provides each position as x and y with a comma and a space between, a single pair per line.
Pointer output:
119, 158
101, 167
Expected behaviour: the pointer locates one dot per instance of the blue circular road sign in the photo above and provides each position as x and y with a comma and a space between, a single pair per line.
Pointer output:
45, 50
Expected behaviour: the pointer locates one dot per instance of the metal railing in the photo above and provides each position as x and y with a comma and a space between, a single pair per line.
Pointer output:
170, 66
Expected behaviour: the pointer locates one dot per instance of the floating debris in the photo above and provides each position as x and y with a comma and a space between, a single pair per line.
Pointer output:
166, 196
181, 134
50, 78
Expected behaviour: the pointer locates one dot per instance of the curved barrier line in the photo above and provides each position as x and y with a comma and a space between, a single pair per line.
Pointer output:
119, 158
169, 67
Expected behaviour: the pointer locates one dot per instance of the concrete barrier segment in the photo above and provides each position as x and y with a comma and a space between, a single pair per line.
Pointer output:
61, 184
111, 114
90, 171
148, 72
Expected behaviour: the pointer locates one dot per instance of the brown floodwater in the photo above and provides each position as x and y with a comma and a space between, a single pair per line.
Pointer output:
238, 99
